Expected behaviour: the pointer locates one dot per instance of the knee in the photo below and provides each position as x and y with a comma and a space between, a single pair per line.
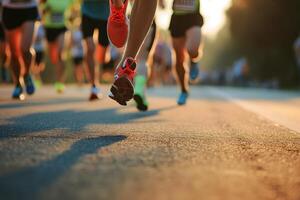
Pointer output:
193, 52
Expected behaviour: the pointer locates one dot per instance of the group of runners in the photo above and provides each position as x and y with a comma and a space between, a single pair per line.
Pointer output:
135, 33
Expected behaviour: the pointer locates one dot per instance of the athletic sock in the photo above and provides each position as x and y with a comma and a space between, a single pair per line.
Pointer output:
139, 84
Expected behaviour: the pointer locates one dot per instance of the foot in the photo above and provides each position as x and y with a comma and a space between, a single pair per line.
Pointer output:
139, 93
30, 88
141, 102
122, 88
59, 87
94, 93
18, 93
182, 98
117, 25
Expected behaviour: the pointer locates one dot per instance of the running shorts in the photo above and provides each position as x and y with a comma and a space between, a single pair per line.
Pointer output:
14, 17
77, 60
2, 33
180, 23
88, 25
39, 56
53, 33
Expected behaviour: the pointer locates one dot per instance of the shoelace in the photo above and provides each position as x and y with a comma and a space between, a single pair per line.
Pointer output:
118, 16
126, 70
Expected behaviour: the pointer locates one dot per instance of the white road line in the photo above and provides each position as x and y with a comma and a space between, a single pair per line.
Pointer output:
279, 114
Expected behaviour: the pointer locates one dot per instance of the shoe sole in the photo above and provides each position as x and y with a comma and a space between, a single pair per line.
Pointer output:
21, 97
93, 97
122, 90
30, 91
181, 104
140, 103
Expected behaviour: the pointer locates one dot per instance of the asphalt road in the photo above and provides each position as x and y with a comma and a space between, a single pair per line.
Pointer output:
225, 144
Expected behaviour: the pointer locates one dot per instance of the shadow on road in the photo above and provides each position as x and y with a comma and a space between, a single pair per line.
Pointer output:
27, 183
21, 104
69, 120
211, 93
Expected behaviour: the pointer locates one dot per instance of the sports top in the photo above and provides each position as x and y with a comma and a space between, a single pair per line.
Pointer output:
97, 9
54, 16
186, 6
19, 3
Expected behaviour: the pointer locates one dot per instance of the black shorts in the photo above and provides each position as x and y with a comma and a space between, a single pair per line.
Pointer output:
39, 56
53, 33
181, 23
153, 34
2, 33
88, 25
77, 60
14, 17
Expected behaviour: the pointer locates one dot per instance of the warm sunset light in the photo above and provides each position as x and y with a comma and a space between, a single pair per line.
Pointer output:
212, 10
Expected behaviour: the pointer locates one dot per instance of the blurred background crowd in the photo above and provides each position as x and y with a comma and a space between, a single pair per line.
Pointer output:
249, 43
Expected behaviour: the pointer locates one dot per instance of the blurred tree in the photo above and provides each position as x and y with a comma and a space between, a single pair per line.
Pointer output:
265, 32
220, 52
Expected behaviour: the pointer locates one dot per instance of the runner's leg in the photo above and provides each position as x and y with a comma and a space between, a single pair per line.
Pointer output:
181, 68
13, 39
141, 19
26, 42
90, 58
142, 15
193, 41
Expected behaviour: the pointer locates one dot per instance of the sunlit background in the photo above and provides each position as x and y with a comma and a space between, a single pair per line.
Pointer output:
212, 10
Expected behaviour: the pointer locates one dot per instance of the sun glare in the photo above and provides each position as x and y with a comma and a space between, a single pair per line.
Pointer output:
213, 12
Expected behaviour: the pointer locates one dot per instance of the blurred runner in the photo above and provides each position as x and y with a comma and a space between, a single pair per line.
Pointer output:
185, 28
77, 55
297, 51
54, 20
141, 19
94, 16
3, 51
18, 20
39, 48
161, 70
141, 77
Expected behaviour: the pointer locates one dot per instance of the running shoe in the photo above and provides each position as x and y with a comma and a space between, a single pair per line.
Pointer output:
122, 88
182, 98
38, 83
94, 93
194, 71
18, 93
30, 88
117, 25
59, 87
139, 93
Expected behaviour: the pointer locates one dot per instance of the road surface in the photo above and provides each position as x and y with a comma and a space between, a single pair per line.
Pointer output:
225, 144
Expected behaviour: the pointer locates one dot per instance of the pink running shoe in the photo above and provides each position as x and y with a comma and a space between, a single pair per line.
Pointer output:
122, 89
117, 25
